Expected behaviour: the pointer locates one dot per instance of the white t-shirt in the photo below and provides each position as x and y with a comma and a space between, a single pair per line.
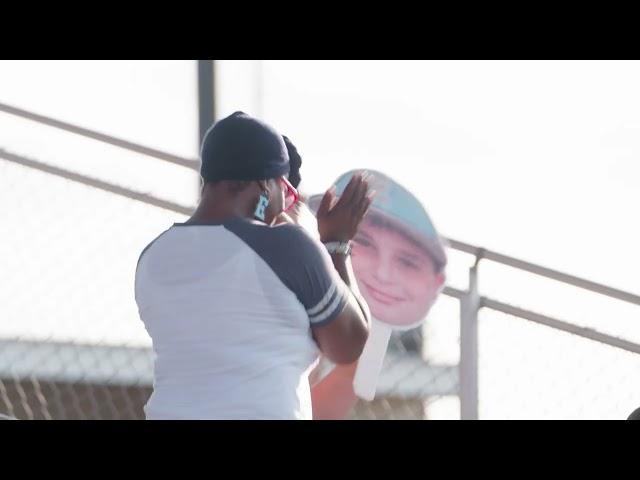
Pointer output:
229, 309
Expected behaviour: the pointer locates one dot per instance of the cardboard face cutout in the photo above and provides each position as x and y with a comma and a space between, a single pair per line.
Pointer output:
398, 260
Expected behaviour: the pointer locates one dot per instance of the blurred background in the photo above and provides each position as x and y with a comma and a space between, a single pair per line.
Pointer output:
531, 169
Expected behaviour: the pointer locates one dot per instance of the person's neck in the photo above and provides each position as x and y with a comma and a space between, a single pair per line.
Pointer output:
219, 209
207, 213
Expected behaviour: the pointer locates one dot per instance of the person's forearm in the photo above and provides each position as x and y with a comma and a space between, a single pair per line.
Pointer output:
333, 397
342, 264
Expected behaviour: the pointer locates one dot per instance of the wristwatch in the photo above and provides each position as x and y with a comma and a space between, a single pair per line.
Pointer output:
343, 248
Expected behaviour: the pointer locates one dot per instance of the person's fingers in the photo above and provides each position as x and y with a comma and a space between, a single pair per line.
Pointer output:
364, 207
326, 202
361, 194
284, 218
366, 202
358, 195
347, 195
359, 216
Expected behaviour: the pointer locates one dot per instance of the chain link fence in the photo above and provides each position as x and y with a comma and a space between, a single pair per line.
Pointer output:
71, 346
530, 371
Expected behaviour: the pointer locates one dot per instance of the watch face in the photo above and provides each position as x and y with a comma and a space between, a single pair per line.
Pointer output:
341, 247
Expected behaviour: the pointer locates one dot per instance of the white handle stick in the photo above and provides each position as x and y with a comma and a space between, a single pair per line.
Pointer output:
370, 363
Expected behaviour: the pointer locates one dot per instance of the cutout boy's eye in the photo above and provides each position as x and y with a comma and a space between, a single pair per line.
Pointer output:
363, 241
408, 263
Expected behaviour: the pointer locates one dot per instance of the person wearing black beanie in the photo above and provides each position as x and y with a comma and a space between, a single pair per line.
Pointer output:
239, 308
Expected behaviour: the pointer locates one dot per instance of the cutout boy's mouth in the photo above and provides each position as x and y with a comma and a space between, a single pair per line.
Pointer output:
382, 296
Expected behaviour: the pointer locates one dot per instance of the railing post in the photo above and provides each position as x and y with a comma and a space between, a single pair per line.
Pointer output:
206, 97
469, 307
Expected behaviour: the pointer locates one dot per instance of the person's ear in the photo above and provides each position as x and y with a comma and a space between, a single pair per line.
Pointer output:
264, 187
436, 289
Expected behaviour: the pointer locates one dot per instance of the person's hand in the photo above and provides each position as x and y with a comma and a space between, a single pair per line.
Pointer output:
338, 221
284, 218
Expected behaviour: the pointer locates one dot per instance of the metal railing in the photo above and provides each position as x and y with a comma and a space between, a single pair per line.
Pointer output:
471, 302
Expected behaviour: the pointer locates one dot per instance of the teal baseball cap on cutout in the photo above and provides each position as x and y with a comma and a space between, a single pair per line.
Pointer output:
400, 207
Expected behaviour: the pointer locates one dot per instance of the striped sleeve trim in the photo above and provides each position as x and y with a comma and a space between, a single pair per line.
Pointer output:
328, 308
324, 301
